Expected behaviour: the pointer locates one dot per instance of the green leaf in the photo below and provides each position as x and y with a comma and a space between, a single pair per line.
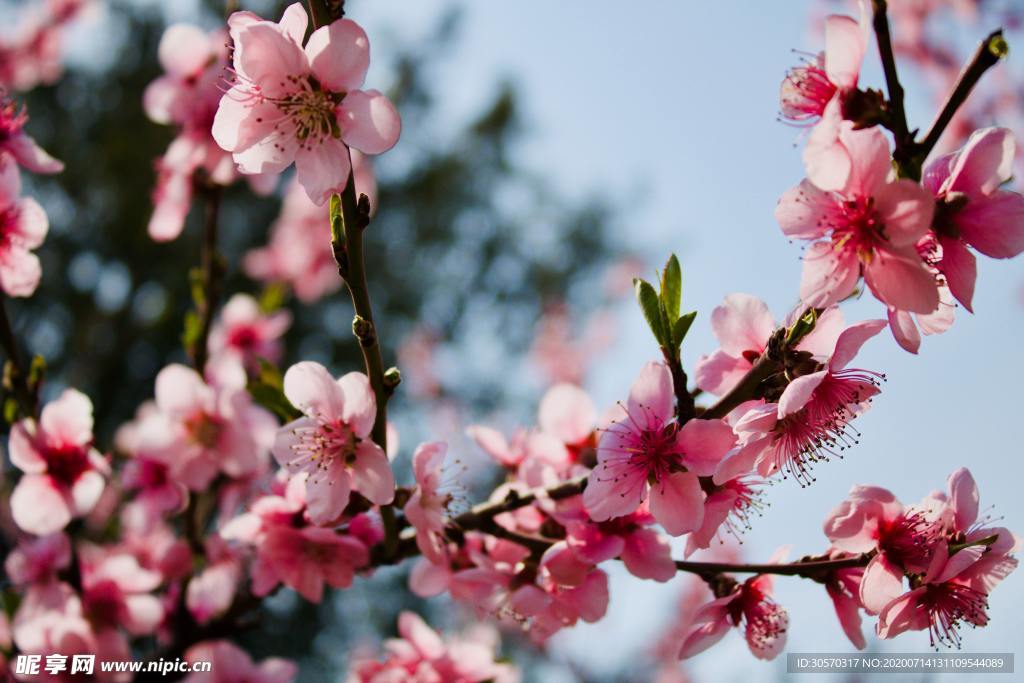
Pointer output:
650, 304
682, 326
672, 287
273, 296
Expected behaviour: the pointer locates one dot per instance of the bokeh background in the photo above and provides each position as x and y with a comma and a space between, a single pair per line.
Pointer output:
550, 151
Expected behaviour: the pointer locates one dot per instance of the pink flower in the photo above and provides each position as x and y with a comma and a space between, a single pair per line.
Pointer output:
63, 474
244, 331
420, 654
289, 104
868, 227
38, 560
972, 210
428, 504
23, 226
645, 553
808, 89
15, 142
187, 96
730, 505
305, 558
743, 325
50, 620
230, 664
904, 540
749, 604
644, 450
843, 589
211, 591
330, 443
203, 428
811, 420
116, 592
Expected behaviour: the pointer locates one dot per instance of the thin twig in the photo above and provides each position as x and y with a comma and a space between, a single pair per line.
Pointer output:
18, 375
212, 265
897, 116
989, 52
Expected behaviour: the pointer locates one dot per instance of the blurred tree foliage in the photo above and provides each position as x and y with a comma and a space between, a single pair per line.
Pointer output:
464, 240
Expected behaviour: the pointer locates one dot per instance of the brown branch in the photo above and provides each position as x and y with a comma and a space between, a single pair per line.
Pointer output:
896, 114
989, 52
211, 280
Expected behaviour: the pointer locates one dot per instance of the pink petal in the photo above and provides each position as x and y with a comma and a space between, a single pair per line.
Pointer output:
240, 121
294, 22
86, 492
803, 212
651, 397
68, 420
32, 224
31, 156
593, 545
22, 450
567, 413
904, 330
848, 612
902, 614
719, 372
984, 163
371, 473
869, 150
798, 393
704, 443
270, 58
323, 168
360, 409
328, 492
963, 498
339, 55
994, 225
826, 159
677, 502
648, 555
369, 122
38, 507
703, 637
900, 279
742, 323
740, 460
607, 497
184, 50
960, 268
906, 209
428, 579
829, 276
844, 50
311, 389
882, 583
427, 461
20, 271
851, 340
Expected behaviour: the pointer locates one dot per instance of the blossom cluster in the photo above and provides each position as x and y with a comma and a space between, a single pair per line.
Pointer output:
237, 480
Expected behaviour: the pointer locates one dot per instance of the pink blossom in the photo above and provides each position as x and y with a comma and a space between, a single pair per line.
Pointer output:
729, 505
157, 491
811, 420
908, 327
331, 443
37, 560
244, 331
18, 144
186, 96
903, 539
305, 558
211, 590
972, 210
644, 450
428, 504
116, 592
869, 226
645, 553
50, 620
230, 664
23, 226
63, 474
203, 427
843, 589
749, 604
743, 325
302, 105
420, 654
32, 55
809, 88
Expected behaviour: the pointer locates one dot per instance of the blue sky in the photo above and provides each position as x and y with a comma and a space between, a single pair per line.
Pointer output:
678, 107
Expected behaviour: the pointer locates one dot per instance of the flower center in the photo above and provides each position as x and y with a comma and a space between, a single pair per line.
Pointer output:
806, 91
324, 442
949, 604
859, 227
66, 463
12, 119
204, 429
243, 337
909, 539
312, 111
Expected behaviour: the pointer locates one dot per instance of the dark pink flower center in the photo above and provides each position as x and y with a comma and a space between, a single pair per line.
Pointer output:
766, 621
909, 539
103, 603
321, 443
859, 227
806, 91
947, 606
12, 118
66, 462
204, 429
244, 337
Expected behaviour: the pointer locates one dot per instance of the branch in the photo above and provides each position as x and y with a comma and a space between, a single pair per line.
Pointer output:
808, 569
896, 114
745, 390
17, 374
210, 281
347, 242
989, 52
684, 399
